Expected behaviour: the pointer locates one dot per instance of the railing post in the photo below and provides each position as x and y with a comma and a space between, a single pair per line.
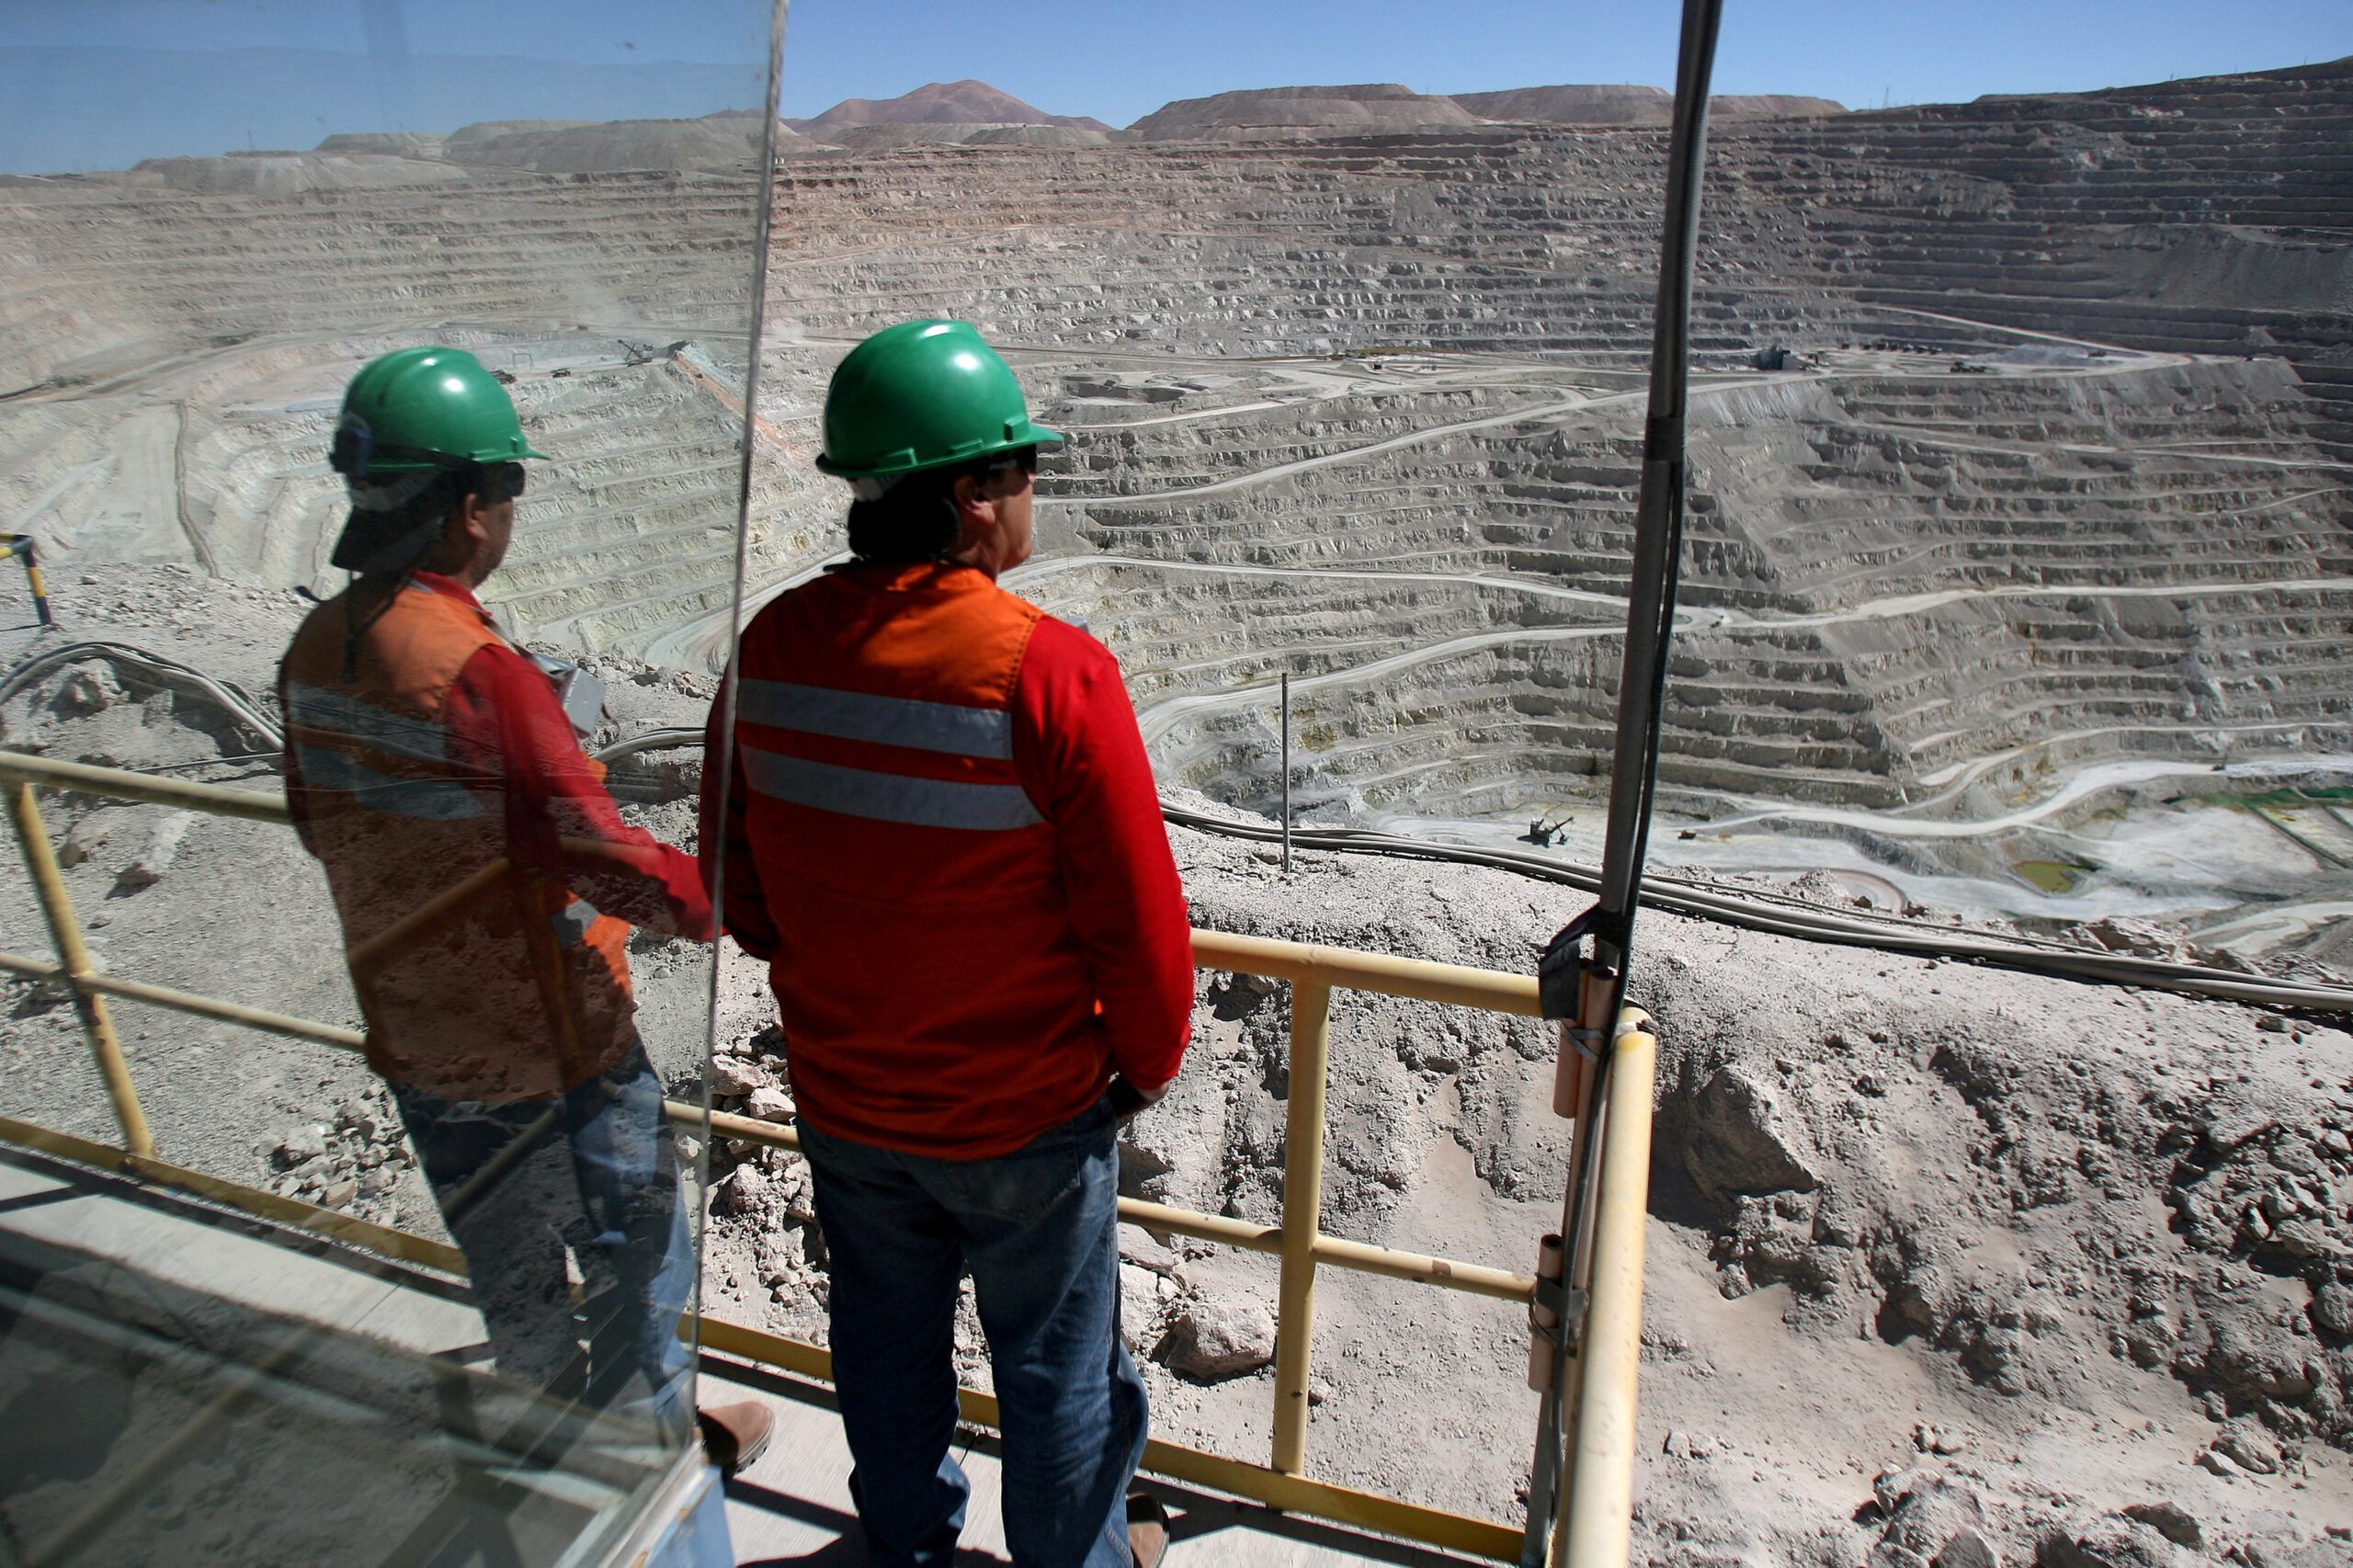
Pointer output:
1311, 1014
1596, 1526
1286, 773
66, 929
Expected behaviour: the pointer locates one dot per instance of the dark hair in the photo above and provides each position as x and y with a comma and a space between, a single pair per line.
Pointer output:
389, 539
915, 519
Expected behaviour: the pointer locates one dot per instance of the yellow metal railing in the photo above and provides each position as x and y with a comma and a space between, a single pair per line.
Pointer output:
1600, 1461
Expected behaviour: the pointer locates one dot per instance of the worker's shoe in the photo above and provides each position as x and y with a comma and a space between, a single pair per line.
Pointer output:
734, 1435
1147, 1529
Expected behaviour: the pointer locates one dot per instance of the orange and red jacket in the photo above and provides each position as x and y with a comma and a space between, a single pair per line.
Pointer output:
942, 834
420, 748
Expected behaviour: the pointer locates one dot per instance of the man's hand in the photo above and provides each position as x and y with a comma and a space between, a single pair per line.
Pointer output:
1126, 1100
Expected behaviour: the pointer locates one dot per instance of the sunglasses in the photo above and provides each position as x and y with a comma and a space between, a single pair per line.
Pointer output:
1023, 457
354, 452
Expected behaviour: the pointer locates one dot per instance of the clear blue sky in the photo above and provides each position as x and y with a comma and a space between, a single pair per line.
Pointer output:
1119, 60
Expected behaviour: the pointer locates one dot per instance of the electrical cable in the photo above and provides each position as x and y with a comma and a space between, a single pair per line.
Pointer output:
651, 740
1780, 915
240, 703
1587, 996
1760, 910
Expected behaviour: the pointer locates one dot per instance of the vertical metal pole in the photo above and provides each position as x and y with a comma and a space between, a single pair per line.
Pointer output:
1598, 1527
1286, 773
1658, 525
66, 929
21, 547
1311, 1015
722, 755
1658, 515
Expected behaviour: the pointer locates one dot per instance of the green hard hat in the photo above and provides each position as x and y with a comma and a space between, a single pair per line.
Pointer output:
923, 394
425, 408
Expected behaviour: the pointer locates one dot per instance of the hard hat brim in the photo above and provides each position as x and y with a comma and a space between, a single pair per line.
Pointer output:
1030, 433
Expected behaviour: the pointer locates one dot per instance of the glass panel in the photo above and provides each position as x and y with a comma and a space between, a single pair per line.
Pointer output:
372, 400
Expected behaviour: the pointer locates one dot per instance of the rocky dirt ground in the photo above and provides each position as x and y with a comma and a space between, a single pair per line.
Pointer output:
1946, 1265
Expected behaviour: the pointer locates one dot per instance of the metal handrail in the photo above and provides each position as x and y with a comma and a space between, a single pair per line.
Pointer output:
1605, 1429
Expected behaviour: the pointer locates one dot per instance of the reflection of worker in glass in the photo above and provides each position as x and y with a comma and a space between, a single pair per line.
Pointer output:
487, 885
941, 831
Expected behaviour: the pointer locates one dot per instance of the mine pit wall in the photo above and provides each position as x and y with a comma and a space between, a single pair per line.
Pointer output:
2250, 172
1813, 496
109, 259
1881, 513
182, 321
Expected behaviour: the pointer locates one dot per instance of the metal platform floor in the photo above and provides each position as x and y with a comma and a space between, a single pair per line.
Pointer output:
181, 1384
199, 1368
793, 1506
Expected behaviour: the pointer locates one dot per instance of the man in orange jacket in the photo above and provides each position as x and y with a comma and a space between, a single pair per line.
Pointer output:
941, 831
485, 886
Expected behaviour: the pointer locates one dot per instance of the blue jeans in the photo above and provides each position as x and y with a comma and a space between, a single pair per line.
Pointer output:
595, 1171
1040, 1229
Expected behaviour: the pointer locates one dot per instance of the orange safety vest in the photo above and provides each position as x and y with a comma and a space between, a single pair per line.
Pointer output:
932, 996
518, 991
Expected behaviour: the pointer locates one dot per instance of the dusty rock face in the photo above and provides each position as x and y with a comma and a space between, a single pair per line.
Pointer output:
627, 144
1615, 105
2118, 1541
965, 103
2258, 1201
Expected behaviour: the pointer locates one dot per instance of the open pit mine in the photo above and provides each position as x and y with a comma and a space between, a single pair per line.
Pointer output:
2017, 595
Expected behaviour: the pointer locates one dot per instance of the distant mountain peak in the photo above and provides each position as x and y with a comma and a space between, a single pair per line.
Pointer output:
1364, 107
968, 102
1600, 104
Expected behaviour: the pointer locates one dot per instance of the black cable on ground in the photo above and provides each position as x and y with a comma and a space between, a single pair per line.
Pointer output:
1748, 910
1778, 915
240, 703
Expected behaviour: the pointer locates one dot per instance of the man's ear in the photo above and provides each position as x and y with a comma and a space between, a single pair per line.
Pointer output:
471, 516
974, 508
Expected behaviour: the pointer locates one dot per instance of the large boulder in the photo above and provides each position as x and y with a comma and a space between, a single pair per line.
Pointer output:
1212, 1341
1745, 1140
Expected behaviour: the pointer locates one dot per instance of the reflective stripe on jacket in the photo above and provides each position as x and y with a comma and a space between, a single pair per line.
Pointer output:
518, 992
920, 756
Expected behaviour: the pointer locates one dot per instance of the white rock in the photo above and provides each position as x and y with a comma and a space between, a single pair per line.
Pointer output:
1214, 1340
1138, 1247
769, 1104
740, 1075
87, 691
163, 848
302, 1146
1139, 1306
748, 1191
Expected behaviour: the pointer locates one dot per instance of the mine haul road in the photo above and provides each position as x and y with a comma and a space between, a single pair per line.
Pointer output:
701, 641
